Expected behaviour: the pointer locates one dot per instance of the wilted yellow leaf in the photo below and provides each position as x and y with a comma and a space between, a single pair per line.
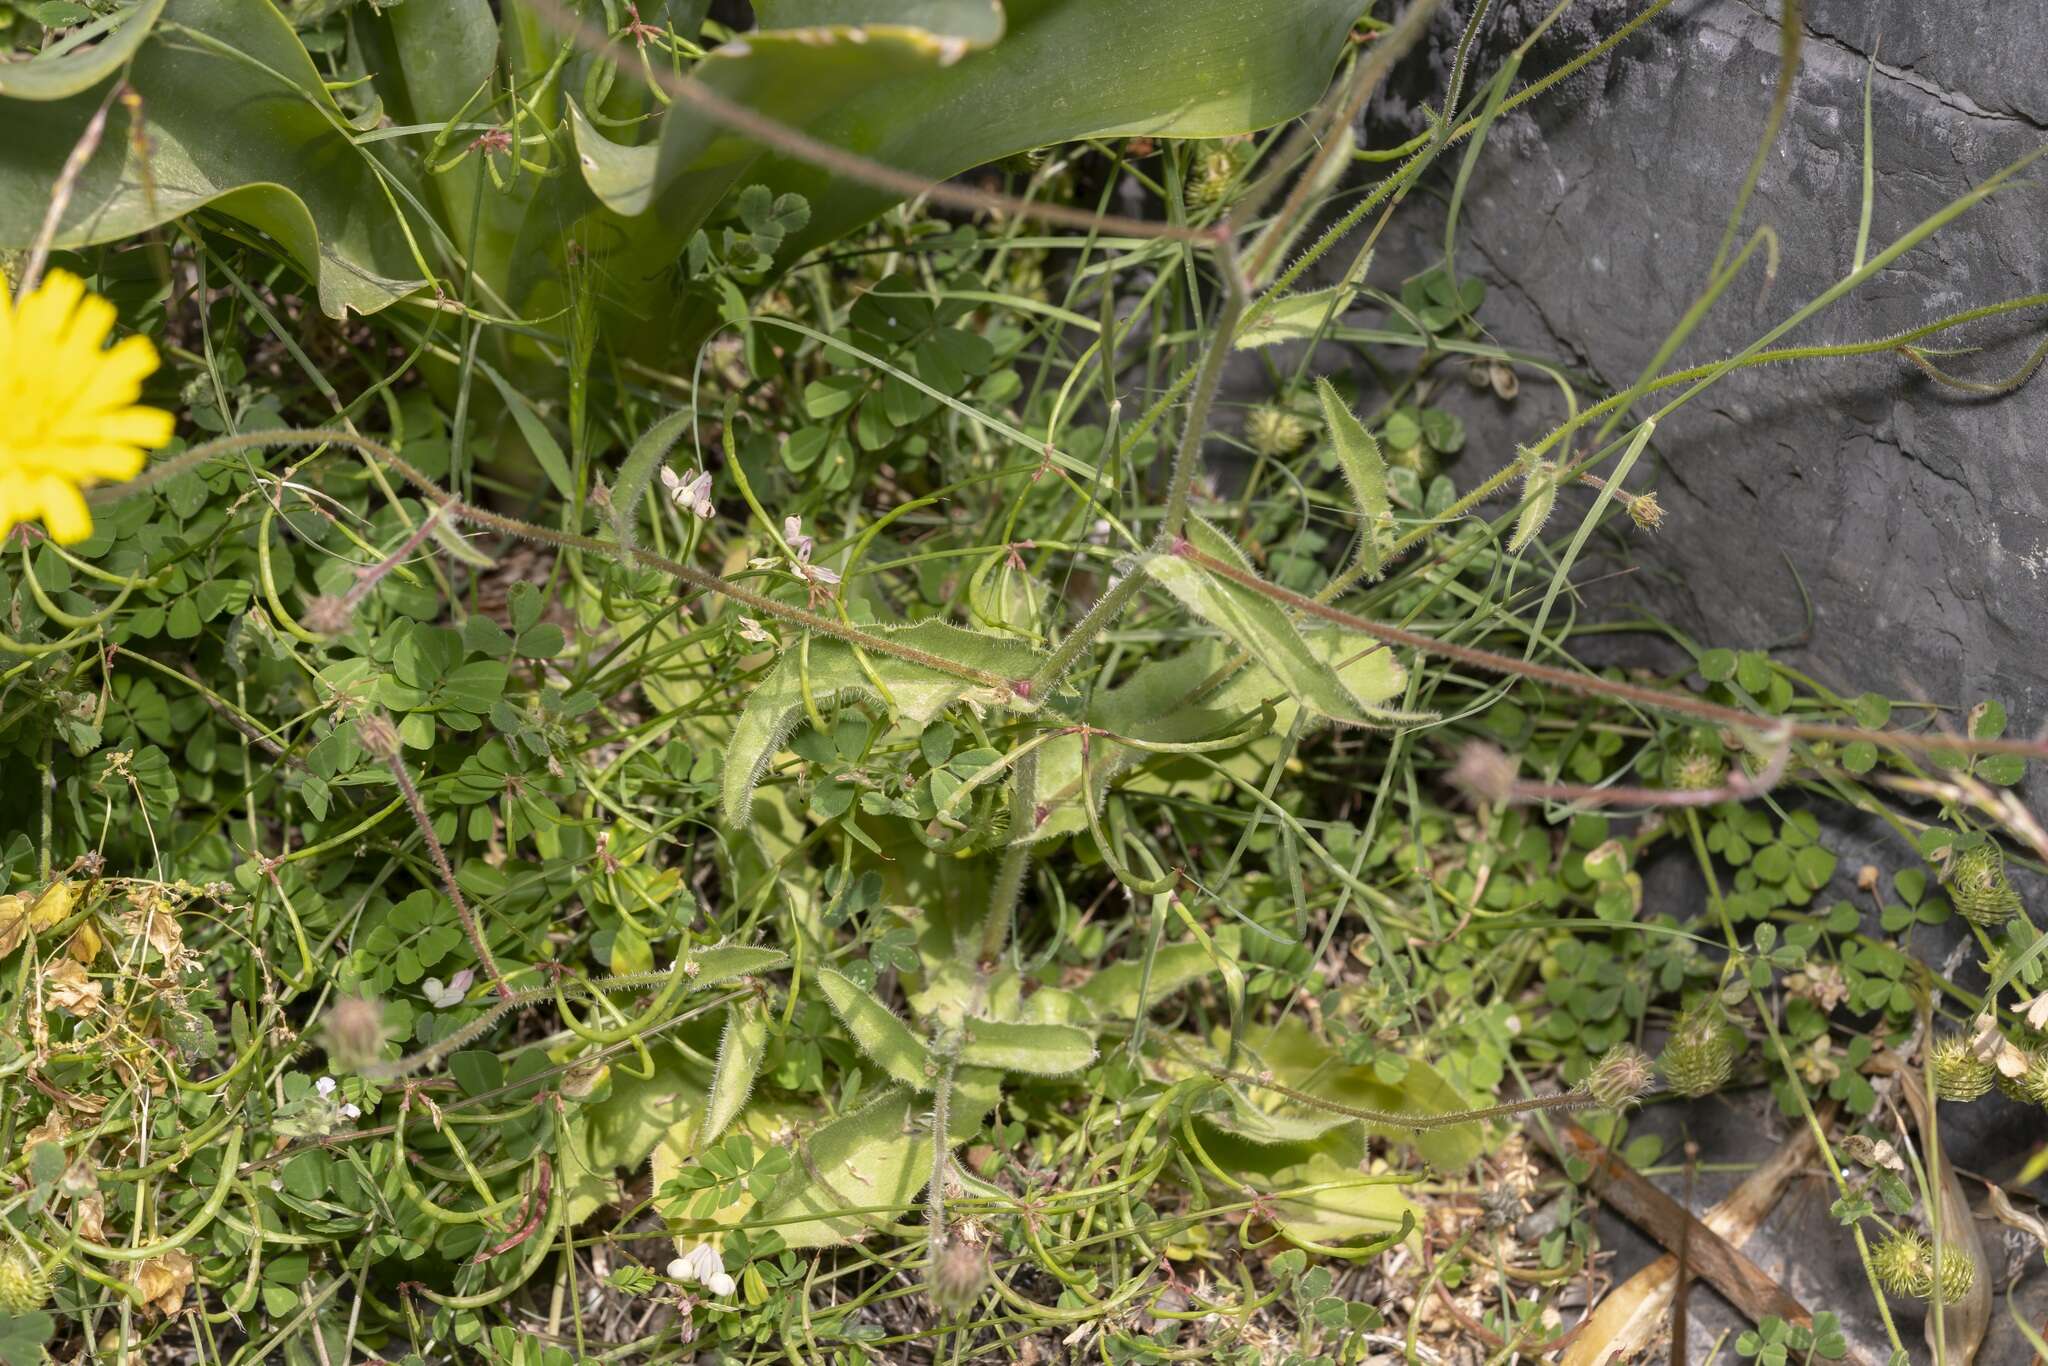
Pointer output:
69, 987
163, 1282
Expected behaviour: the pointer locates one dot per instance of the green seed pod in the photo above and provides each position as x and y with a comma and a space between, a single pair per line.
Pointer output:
24, 1285
1272, 431
1694, 764
1210, 174
2029, 1087
1977, 885
1959, 1074
1621, 1077
1699, 1056
1905, 1264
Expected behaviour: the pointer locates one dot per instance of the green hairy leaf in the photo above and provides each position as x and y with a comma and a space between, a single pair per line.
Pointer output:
1262, 627
740, 1050
1042, 1050
1539, 496
1358, 455
883, 1037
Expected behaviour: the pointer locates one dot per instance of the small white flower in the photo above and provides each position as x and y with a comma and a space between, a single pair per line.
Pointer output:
702, 1263
2036, 1011
325, 1086
752, 630
800, 544
351, 1112
447, 995
818, 573
691, 491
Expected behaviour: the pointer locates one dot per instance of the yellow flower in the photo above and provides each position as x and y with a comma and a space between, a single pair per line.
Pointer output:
68, 416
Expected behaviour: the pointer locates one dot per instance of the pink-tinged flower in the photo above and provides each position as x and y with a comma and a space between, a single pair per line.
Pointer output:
691, 492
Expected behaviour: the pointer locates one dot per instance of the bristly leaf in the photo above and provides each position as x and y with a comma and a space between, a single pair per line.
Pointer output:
1296, 317
637, 472
1358, 455
714, 966
1041, 1050
740, 1051
1262, 627
880, 1034
1539, 496
829, 670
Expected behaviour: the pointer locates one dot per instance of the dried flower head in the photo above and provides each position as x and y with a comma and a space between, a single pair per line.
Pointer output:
375, 733
354, 1033
328, 614
1484, 772
1621, 1077
959, 1273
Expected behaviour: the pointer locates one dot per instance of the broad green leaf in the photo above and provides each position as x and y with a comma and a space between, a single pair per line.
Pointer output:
1262, 627
1283, 1125
740, 1050
56, 78
1113, 992
883, 1037
1067, 69
833, 671
979, 22
236, 118
444, 54
1356, 1205
1295, 317
878, 1157
1042, 1050
1358, 455
539, 440
619, 1132
1299, 1059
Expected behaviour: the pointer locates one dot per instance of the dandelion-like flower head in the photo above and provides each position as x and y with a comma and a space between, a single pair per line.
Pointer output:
68, 416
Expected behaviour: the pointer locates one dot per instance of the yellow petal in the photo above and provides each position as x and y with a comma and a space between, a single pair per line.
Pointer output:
86, 331
65, 515
40, 318
109, 456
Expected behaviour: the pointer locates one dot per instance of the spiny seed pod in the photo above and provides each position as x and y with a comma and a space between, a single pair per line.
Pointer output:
1621, 1077
2029, 1087
1959, 1074
1906, 1265
1272, 431
1693, 765
1210, 176
1418, 457
24, 1284
1978, 886
1699, 1057
959, 1274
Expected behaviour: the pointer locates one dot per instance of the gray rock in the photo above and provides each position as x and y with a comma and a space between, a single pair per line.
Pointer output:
1915, 517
